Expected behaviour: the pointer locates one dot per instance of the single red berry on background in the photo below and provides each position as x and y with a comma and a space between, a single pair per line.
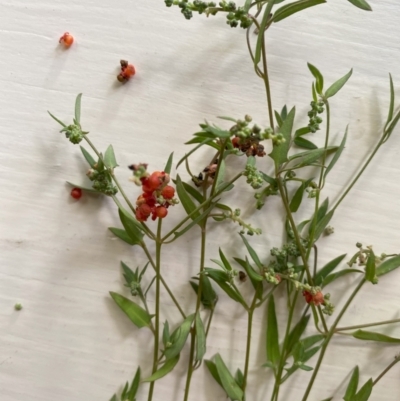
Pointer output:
76, 193
168, 192
161, 212
67, 39
129, 71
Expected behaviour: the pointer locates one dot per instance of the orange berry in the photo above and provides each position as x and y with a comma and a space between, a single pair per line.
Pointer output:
168, 192
318, 298
156, 180
161, 211
143, 212
67, 39
129, 71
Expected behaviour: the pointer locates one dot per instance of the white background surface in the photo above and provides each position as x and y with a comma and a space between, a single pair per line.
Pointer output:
58, 259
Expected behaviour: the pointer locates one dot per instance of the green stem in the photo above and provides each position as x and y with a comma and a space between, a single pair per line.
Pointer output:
390, 366
329, 336
157, 311
266, 83
174, 300
143, 299
361, 326
248, 342
190, 367
209, 320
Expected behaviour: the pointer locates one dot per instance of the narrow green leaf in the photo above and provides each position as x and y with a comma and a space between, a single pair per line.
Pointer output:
332, 277
193, 192
298, 196
322, 210
302, 225
391, 105
134, 386
265, 19
370, 267
164, 370
78, 108
231, 292
138, 316
252, 252
284, 108
372, 336
230, 118
304, 143
88, 157
224, 260
179, 336
392, 126
363, 5
279, 152
114, 398
269, 179
306, 368
84, 188
336, 86
351, 389
337, 154
321, 225
185, 199
314, 92
297, 332
365, 391
328, 269
292, 8
218, 132
200, 338
166, 335
221, 173
388, 265
328, 399
302, 131
229, 384
168, 166
272, 342
122, 234
56, 119
193, 150
278, 119
239, 378
109, 158
131, 225
252, 273
310, 341
319, 79
213, 370
254, 277
311, 156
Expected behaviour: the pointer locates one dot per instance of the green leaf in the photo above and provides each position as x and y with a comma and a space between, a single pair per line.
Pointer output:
132, 226
88, 157
321, 225
265, 19
200, 338
304, 143
218, 132
370, 267
114, 398
78, 108
166, 335
209, 297
337, 154
327, 269
255, 278
297, 332
319, 79
109, 158
388, 265
311, 156
391, 106
164, 370
179, 336
229, 384
252, 252
278, 119
134, 386
335, 87
298, 196
231, 292
351, 389
84, 188
269, 179
292, 8
56, 119
252, 273
363, 5
193, 192
239, 378
272, 342
372, 336
185, 199
224, 260
216, 275
392, 126
193, 150
212, 368
129, 275
311, 340
314, 92
138, 316
284, 108
302, 131
221, 173
231, 118
122, 234
279, 152
168, 166
365, 391
335, 276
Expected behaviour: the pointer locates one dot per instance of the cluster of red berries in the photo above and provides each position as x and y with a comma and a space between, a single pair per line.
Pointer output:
157, 196
127, 71
315, 299
67, 39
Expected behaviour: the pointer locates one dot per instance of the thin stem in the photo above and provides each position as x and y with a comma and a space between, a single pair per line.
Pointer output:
328, 338
209, 320
157, 311
361, 326
248, 341
143, 299
174, 300
266, 82
390, 366
190, 367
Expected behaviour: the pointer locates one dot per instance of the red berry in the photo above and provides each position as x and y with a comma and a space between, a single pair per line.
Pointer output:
143, 212
161, 212
155, 180
307, 296
76, 193
235, 142
168, 192
67, 39
318, 298
129, 71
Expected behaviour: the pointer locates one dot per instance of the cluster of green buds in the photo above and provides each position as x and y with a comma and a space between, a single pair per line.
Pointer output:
236, 15
133, 279
74, 133
254, 177
315, 120
329, 230
102, 180
263, 195
139, 173
312, 189
246, 228
187, 7
287, 250
272, 277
